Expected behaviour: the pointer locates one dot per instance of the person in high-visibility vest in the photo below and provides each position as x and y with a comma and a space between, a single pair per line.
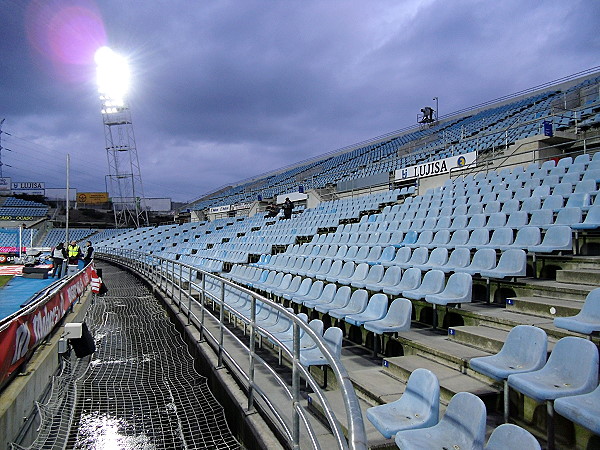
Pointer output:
74, 252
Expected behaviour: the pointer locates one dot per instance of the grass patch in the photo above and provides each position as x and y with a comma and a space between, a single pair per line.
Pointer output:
5, 279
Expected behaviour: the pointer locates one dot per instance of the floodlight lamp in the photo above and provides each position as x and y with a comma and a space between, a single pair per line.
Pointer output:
112, 73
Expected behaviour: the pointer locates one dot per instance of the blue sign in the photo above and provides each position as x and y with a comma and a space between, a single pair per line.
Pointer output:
548, 131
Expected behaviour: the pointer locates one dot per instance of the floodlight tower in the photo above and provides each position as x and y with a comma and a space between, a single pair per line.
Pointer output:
124, 179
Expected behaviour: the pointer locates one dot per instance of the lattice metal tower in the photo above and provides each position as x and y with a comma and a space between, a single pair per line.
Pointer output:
124, 179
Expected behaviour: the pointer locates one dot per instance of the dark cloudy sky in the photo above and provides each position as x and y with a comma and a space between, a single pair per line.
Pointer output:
227, 89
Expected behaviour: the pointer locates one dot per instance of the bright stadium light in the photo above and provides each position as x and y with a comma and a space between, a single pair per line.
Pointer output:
112, 74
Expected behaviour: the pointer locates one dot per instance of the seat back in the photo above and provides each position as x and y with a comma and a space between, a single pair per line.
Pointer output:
341, 298
591, 307
334, 336
527, 346
411, 279
501, 236
508, 436
527, 237
459, 286
513, 262
484, 258
392, 276
375, 274
422, 394
466, 418
459, 237
419, 256
576, 360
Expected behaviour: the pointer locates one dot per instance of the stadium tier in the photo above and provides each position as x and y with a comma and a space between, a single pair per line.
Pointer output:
57, 235
575, 106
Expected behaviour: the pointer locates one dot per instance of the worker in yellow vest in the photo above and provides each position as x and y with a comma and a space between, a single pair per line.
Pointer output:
74, 252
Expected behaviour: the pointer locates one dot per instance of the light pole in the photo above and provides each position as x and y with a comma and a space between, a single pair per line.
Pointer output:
124, 172
437, 106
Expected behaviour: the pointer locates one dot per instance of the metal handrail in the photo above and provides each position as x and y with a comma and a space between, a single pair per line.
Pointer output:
168, 276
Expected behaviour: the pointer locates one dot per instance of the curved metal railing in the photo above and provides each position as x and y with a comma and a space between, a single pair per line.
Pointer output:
182, 283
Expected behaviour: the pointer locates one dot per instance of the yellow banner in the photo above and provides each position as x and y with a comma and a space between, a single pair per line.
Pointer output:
92, 197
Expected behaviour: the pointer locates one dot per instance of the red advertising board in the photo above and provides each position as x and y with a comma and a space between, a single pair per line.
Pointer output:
26, 331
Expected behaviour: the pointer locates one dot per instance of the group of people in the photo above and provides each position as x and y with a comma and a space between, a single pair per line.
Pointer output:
273, 209
72, 253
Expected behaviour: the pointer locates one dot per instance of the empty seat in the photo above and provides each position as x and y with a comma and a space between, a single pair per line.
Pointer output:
512, 263
401, 258
418, 257
541, 218
437, 258
517, 219
433, 283
461, 427
524, 350
457, 290
333, 338
583, 409
418, 407
411, 279
397, 318
572, 369
553, 202
526, 237
459, 259
376, 309
587, 321
557, 238
458, 238
425, 237
356, 304
509, 436
568, 217
500, 237
374, 276
591, 221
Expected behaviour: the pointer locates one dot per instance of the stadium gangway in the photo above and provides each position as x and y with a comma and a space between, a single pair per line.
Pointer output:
168, 277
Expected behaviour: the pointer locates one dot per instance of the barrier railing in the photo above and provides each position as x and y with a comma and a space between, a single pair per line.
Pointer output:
192, 290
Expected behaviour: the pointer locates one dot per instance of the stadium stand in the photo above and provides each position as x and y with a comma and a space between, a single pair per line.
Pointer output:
463, 265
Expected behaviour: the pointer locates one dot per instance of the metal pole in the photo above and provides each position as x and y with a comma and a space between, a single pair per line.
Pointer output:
296, 388
67, 201
221, 325
251, 353
437, 108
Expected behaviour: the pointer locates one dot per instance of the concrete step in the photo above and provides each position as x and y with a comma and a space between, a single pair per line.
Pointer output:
376, 386
480, 336
532, 287
544, 306
589, 277
335, 403
437, 347
451, 381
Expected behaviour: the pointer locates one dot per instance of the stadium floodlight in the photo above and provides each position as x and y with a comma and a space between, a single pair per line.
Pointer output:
112, 75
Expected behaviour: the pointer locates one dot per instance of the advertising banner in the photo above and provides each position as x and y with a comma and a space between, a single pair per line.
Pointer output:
437, 167
21, 335
92, 198
29, 187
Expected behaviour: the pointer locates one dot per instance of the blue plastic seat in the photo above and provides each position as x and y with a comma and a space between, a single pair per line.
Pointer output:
580, 200
411, 279
462, 427
332, 269
587, 321
303, 289
288, 288
512, 263
459, 223
483, 259
459, 259
397, 318
318, 293
359, 273
376, 309
526, 237
356, 304
333, 338
571, 369
500, 237
440, 239
433, 283
374, 276
419, 256
458, 238
557, 238
509, 436
402, 257
437, 258
510, 206
587, 187
581, 409
418, 407
553, 202
409, 238
531, 204
391, 277
425, 238
458, 289
591, 221
323, 269
517, 219
568, 216
345, 271
524, 350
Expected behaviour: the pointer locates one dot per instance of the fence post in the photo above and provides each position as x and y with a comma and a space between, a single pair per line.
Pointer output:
296, 388
252, 348
221, 325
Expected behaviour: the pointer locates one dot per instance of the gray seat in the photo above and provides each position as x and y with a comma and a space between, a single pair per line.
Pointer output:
526, 237
433, 283
340, 299
425, 238
500, 237
517, 219
398, 318
402, 257
391, 277
556, 238
512, 263
509, 436
376, 309
411, 279
587, 321
462, 427
458, 238
356, 304
591, 221
458, 289
419, 256
459, 259
374, 276
418, 407
583, 409
568, 216
553, 202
